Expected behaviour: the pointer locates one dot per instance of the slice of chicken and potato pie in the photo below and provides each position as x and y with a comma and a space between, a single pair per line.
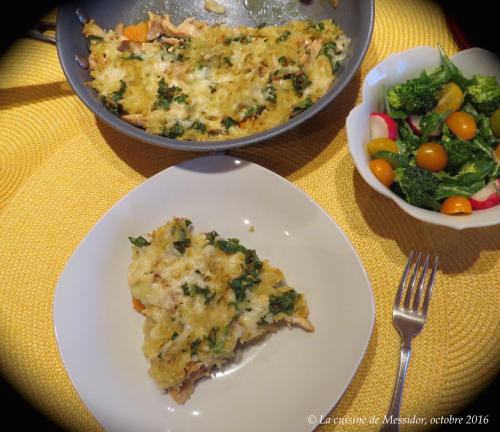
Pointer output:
202, 297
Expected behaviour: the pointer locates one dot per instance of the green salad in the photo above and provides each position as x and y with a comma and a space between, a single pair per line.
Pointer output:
436, 144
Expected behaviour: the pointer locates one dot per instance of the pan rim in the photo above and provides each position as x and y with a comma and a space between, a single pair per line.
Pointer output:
205, 146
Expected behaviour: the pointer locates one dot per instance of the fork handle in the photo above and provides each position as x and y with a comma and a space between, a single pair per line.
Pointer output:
392, 425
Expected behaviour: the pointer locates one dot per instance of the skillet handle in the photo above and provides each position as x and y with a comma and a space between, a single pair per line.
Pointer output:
39, 29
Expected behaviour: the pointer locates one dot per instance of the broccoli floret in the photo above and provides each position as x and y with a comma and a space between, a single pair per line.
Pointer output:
415, 96
484, 93
458, 150
419, 95
418, 185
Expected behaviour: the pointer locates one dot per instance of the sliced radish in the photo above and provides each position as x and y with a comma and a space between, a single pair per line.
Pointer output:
383, 126
489, 189
414, 120
414, 123
487, 197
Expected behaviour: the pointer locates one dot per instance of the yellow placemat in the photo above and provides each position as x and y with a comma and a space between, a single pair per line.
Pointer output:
61, 169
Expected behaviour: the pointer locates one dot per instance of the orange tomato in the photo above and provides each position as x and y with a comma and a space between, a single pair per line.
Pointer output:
456, 205
462, 125
496, 154
383, 171
137, 32
382, 144
451, 98
432, 156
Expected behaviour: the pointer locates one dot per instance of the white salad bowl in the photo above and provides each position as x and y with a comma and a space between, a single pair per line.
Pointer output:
395, 69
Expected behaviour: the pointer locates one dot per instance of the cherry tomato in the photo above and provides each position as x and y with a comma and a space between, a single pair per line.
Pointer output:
462, 125
382, 144
455, 205
383, 171
496, 154
495, 122
451, 97
432, 156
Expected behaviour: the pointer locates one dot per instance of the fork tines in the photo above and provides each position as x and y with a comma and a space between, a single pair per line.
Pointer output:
412, 300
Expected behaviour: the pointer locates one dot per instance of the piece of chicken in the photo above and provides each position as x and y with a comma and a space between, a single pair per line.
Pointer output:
189, 28
135, 119
155, 27
314, 48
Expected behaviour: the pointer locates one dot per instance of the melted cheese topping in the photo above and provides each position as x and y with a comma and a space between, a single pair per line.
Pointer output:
200, 82
202, 296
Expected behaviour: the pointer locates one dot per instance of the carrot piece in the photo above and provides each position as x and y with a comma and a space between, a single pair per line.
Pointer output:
138, 306
137, 32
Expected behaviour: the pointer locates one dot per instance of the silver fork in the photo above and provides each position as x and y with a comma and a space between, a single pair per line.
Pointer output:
409, 318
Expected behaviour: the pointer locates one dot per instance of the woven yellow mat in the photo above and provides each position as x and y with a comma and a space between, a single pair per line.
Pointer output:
61, 169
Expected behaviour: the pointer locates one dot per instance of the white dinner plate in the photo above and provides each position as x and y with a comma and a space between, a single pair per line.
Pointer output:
278, 383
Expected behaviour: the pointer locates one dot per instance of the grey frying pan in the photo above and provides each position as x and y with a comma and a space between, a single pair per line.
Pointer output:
354, 16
